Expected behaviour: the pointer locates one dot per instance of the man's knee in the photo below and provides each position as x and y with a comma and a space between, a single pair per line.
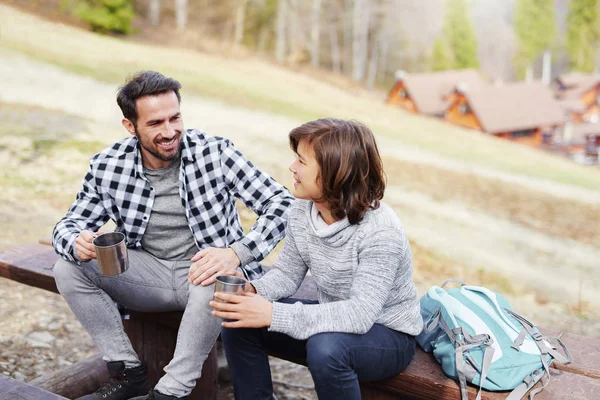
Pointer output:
67, 274
200, 296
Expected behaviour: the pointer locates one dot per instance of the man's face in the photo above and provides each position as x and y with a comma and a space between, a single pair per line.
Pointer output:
159, 129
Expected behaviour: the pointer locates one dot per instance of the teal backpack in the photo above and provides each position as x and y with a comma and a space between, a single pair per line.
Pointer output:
477, 337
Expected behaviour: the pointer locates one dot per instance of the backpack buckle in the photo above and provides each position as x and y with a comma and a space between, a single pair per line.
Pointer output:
537, 336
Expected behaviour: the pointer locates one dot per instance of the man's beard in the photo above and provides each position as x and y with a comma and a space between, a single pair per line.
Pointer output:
156, 153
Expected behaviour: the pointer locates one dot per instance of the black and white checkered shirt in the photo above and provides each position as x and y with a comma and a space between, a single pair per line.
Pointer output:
213, 174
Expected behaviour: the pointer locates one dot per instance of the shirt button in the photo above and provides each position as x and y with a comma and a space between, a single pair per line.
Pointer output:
145, 218
152, 189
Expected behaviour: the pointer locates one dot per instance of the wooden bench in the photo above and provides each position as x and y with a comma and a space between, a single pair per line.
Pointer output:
153, 337
11, 389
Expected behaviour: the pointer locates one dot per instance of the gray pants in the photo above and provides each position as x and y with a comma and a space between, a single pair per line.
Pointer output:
150, 285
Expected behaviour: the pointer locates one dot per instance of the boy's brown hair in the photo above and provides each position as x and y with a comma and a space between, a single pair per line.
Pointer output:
351, 171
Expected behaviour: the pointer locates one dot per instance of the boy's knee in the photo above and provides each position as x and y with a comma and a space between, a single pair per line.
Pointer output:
325, 352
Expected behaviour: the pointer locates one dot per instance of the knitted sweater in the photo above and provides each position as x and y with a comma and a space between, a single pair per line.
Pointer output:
363, 274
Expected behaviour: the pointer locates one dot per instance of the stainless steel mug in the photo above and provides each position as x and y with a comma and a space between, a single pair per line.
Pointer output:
229, 284
111, 253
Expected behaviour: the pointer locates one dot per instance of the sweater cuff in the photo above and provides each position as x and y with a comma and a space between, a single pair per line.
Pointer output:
282, 318
260, 288
243, 253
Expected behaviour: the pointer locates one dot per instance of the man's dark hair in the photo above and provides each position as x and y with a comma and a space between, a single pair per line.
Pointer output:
140, 84
351, 171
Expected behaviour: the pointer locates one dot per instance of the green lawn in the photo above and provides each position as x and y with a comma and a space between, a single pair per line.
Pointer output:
253, 83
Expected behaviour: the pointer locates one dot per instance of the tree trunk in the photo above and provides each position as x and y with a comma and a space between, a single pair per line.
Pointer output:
373, 63
529, 74
547, 67
315, 32
360, 39
154, 12
240, 17
280, 46
334, 40
181, 13
348, 37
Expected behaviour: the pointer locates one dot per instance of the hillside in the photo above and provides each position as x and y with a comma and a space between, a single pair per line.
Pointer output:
481, 209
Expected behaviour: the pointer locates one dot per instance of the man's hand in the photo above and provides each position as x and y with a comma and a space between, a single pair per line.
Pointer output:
210, 263
249, 310
84, 248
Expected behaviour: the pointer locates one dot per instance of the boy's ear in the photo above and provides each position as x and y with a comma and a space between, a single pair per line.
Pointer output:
129, 126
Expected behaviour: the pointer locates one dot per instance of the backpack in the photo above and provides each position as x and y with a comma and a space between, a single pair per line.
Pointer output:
476, 337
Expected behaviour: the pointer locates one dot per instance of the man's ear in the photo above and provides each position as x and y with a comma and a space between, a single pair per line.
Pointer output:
129, 126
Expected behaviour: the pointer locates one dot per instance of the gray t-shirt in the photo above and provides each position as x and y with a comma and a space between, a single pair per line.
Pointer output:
168, 235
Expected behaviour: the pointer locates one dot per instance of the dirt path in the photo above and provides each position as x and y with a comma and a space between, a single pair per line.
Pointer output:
474, 238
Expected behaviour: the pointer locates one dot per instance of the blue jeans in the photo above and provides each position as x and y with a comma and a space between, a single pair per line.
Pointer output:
336, 361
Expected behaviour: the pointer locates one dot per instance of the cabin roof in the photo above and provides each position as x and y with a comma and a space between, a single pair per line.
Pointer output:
514, 106
574, 84
428, 90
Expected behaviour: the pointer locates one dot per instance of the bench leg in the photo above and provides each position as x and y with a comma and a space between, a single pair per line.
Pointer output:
155, 343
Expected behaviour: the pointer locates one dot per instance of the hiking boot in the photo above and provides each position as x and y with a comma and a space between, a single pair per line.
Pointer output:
123, 383
154, 395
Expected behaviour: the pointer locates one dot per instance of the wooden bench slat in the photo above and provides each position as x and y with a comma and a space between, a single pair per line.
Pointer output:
586, 355
11, 389
30, 264
76, 380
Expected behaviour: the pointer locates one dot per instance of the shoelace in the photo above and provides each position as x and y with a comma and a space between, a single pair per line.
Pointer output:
113, 384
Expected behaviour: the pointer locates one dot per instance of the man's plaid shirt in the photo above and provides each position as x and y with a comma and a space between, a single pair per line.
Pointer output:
213, 174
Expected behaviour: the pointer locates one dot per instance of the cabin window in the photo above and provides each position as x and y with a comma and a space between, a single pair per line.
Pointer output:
464, 108
402, 94
523, 133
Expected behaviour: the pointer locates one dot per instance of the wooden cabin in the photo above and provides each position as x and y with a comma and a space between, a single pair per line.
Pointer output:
579, 95
427, 93
523, 112
580, 141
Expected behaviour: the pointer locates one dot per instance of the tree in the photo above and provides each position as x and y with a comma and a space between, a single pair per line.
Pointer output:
583, 34
535, 28
441, 57
460, 35
106, 16
281, 44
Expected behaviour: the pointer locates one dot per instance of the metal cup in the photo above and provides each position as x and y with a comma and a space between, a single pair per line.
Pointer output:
229, 284
111, 252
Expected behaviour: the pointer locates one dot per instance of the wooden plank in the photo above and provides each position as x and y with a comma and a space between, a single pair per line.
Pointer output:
585, 352
30, 264
76, 380
11, 389
424, 379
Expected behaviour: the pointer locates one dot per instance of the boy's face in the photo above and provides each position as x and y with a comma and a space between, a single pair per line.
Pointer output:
306, 173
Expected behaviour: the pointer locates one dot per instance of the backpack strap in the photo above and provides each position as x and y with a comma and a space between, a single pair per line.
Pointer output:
463, 344
540, 340
546, 349
530, 380
452, 280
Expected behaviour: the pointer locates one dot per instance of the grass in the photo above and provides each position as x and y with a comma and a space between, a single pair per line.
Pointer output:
259, 85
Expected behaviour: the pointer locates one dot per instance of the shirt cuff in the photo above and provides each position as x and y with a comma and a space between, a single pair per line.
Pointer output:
243, 253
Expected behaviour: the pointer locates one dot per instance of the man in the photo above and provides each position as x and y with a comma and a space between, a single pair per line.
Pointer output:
172, 193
